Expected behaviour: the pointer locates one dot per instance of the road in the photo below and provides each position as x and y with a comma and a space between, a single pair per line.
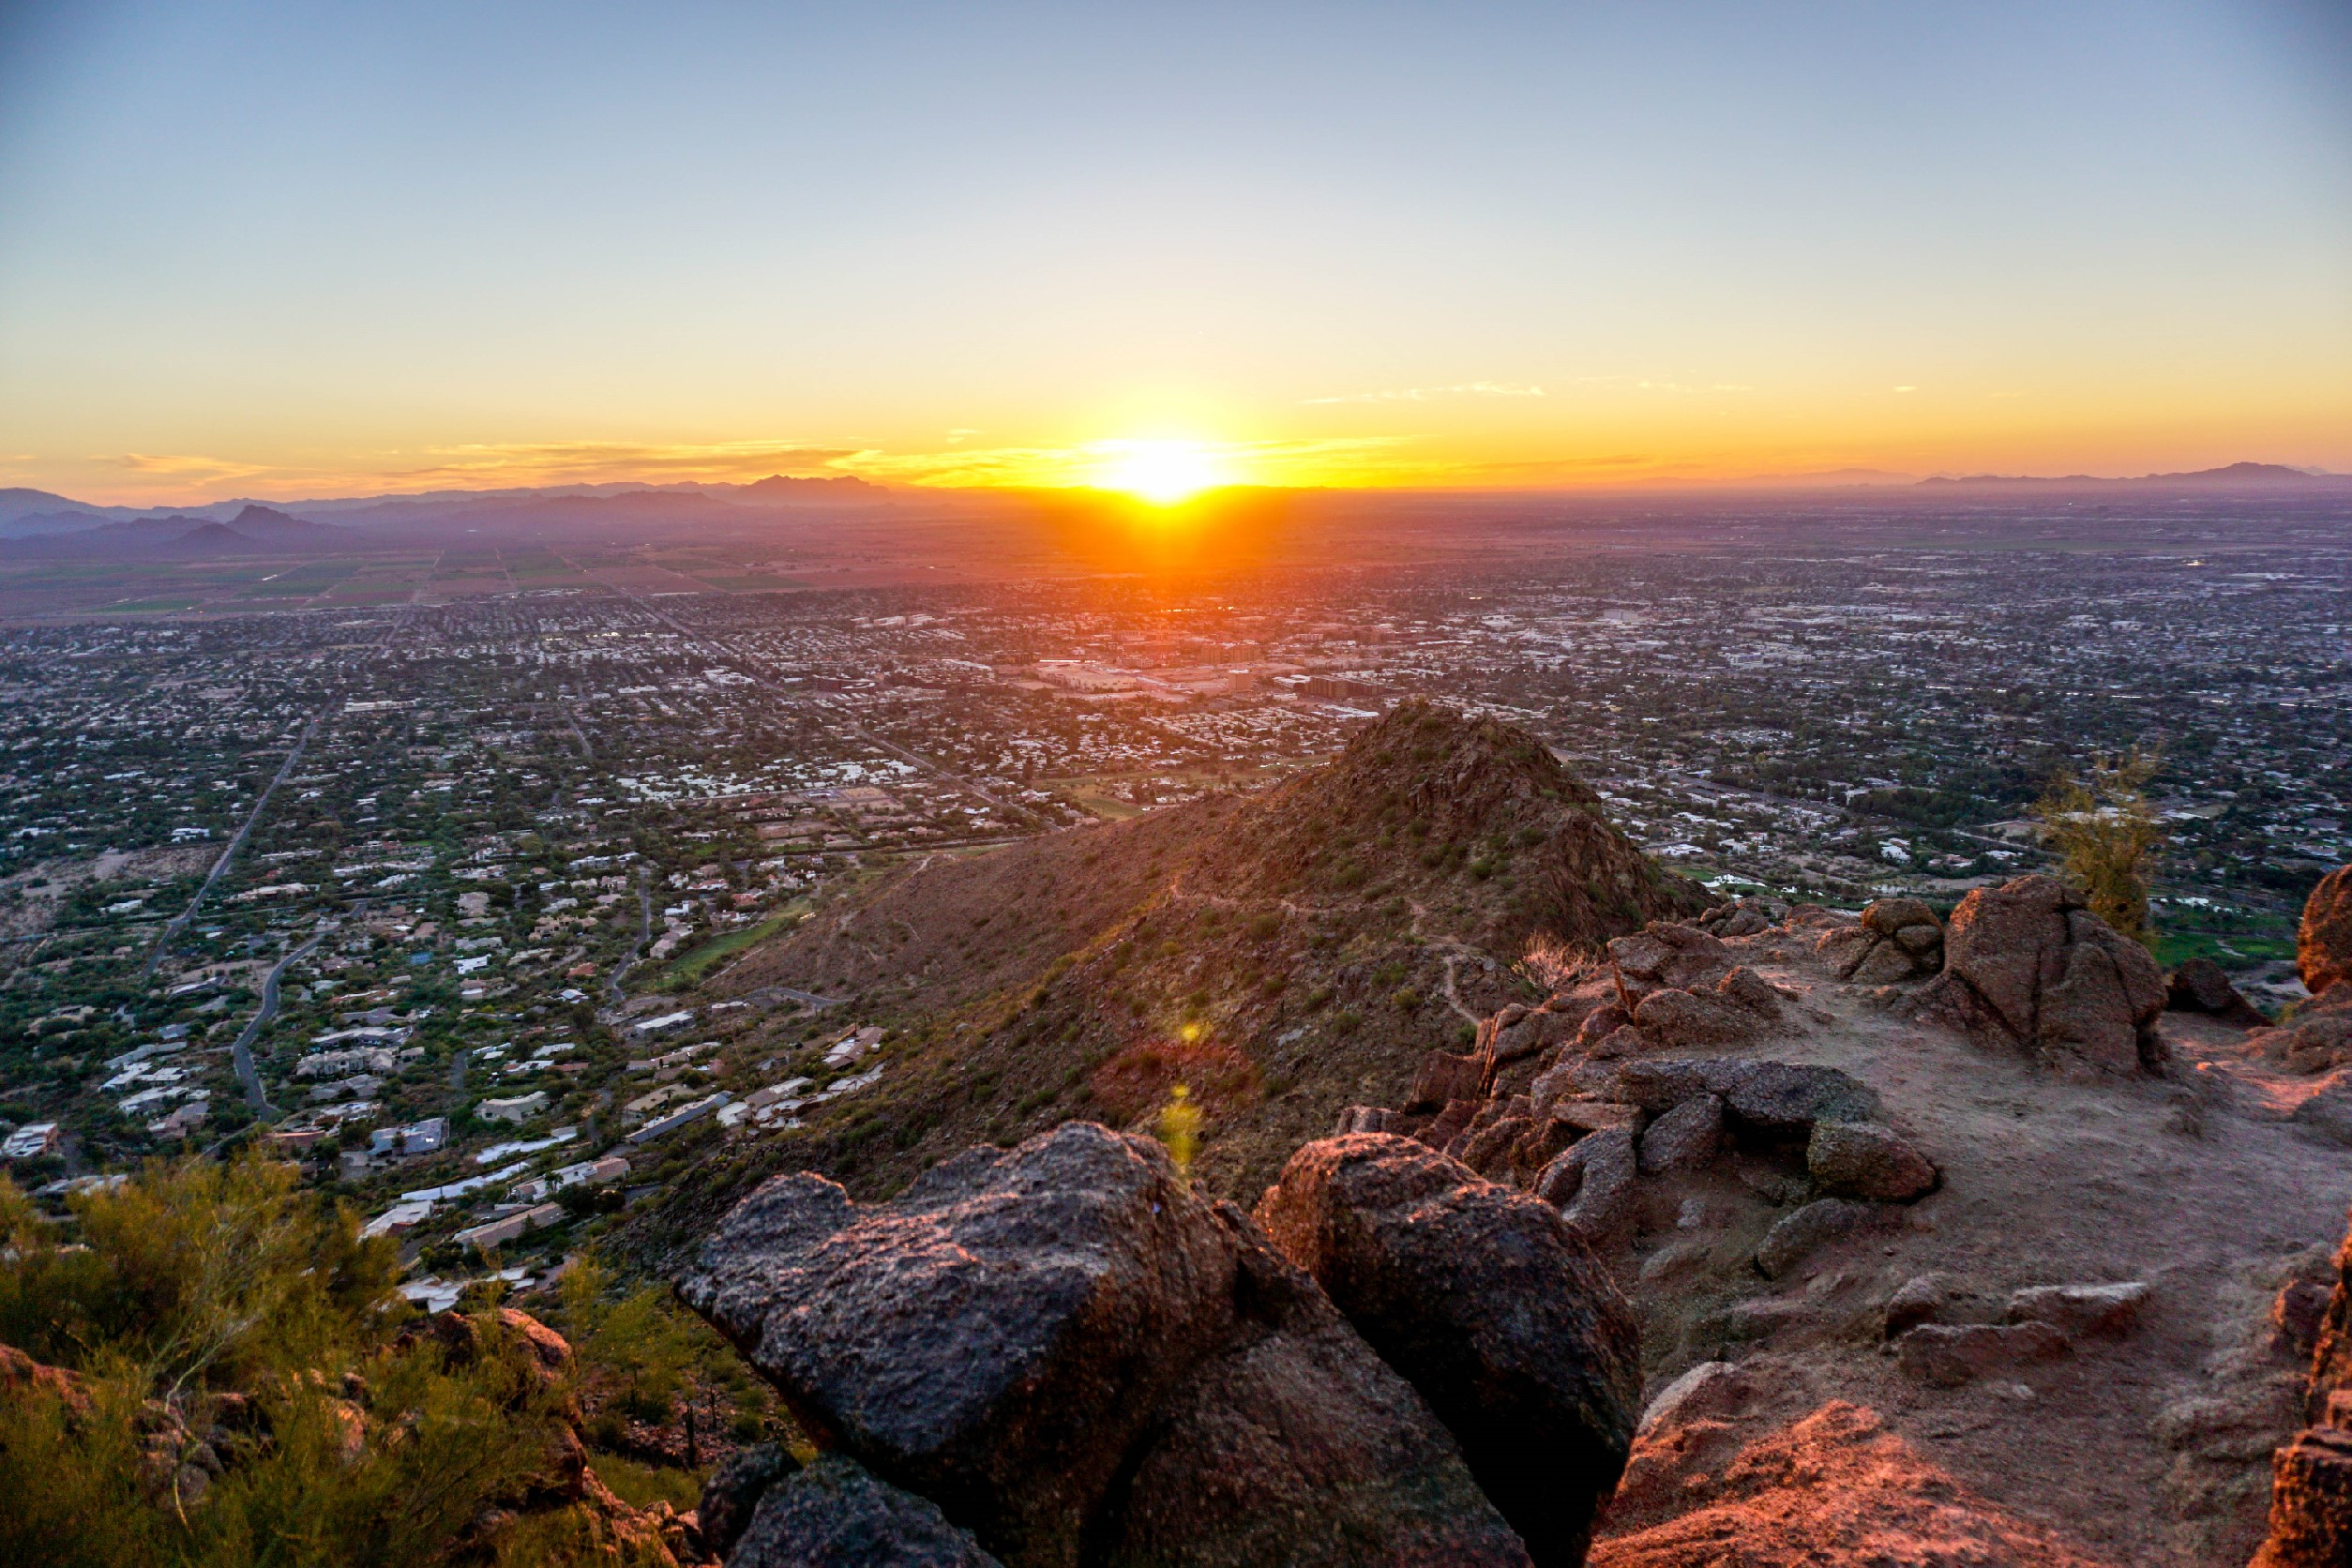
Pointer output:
242, 1052
179, 923
645, 934
285, 770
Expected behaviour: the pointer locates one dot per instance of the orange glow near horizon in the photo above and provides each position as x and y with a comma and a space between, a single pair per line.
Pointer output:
1162, 471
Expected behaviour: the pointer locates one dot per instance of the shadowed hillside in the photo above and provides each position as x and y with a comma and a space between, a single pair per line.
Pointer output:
1283, 955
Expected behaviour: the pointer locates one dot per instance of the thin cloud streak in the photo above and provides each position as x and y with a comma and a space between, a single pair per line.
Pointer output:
1429, 394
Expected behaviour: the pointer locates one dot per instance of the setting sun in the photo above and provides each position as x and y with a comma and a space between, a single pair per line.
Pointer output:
1161, 471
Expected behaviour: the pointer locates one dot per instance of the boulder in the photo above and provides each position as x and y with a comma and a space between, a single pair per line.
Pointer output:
1923, 942
1683, 1021
1886, 963
2311, 1503
1017, 1333
2080, 1310
1592, 1116
1947, 1355
1369, 1119
1842, 947
1488, 1152
2323, 943
1772, 1095
1860, 1159
1489, 1304
2027, 966
1600, 1024
1450, 1123
1891, 916
1791, 1097
1591, 1184
2316, 1037
2202, 986
1798, 1234
832, 1515
1266, 1459
732, 1493
1709, 1391
2325, 1112
2296, 1313
2008, 944
2311, 1478
1917, 1300
1668, 955
1444, 1077
1528, 1034
1738, 1006
1896, 939
1685, 1137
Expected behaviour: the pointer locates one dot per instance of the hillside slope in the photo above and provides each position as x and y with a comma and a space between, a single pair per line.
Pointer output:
1283, 955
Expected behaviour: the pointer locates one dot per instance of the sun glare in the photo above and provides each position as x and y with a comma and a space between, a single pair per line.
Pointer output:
1161, 471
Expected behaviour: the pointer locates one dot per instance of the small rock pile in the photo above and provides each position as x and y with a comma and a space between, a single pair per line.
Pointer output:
2027, 966
1896, 939
1066, 1354
1576, 1102
1944, 1337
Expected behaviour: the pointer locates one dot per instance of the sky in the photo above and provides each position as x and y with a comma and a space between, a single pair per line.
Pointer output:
338, 248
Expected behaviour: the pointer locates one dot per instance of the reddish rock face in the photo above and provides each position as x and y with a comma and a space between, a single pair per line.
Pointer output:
2323, 946
2027, 965
1489, 1305
2311, 1478
2008, 943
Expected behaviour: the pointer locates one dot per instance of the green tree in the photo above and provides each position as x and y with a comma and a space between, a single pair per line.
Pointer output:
2106, 835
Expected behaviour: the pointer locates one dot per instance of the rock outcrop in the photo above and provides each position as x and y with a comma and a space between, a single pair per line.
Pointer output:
1680, 988
1075, 1357
1490, 1305
2311, 1478
2323, 943
2317, 1036
2027, 966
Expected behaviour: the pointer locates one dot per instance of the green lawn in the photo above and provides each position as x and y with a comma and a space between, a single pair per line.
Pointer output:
690, 969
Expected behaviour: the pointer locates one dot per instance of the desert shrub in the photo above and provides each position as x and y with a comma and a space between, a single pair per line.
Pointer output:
2106, 836
197, 1286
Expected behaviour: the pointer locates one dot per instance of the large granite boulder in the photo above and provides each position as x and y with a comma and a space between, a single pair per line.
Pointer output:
1053, 1342
1490, 1305
2027, 966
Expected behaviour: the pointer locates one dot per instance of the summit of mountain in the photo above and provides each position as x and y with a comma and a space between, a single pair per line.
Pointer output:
1285, 953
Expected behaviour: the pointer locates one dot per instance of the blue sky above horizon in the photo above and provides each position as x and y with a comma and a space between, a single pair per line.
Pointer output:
282, 249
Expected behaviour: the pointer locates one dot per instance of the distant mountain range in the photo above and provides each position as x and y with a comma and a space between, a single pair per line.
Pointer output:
2237, 475
253, 530
41, 525
31, 514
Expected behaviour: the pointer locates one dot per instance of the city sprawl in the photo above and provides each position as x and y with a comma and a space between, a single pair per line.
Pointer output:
424, 888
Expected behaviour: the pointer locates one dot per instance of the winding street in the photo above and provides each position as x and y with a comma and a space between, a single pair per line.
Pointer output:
242, 1052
